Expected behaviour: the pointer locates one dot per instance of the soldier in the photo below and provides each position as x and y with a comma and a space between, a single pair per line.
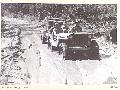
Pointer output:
58, 28
49, 44
65, 28
77, 28
113, 33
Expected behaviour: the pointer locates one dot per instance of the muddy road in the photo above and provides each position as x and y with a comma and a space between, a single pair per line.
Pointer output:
48, 67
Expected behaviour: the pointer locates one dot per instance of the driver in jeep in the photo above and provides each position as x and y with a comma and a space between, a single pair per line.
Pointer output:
77, 28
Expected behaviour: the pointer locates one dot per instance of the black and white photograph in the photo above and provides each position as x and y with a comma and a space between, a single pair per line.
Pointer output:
63, 44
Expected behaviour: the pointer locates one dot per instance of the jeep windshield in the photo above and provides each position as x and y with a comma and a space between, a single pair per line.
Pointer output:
79, 40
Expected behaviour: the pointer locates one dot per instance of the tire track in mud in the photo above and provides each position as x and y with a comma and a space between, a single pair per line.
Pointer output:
67, 69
